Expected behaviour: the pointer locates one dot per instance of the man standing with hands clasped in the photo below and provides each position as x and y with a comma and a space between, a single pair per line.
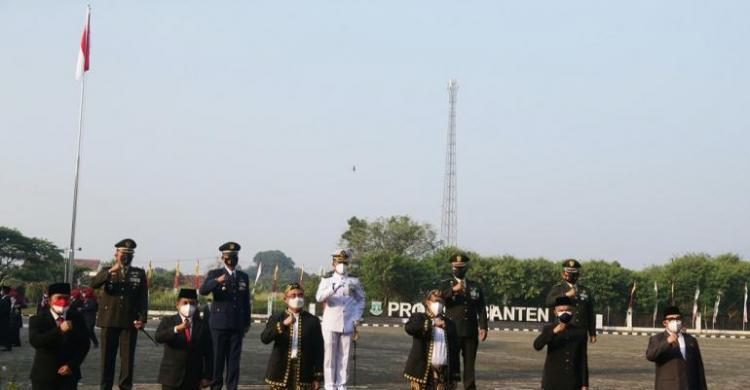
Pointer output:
230, 315
464, 305
679, 365
122, 312
344, 300
581, 301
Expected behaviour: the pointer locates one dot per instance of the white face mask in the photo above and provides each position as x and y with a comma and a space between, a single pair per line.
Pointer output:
436, 308
341, 268
674, 326
187, 310
60, 310
296, 302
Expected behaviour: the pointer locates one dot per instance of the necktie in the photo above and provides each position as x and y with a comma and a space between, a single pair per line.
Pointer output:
187, 333
60, 320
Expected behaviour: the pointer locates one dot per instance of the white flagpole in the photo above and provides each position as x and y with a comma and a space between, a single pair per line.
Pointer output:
70, 267
744, 309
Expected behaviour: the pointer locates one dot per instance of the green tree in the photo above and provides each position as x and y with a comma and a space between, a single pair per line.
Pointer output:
25, 259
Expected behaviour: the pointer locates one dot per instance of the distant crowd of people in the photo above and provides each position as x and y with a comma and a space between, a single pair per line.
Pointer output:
309, 353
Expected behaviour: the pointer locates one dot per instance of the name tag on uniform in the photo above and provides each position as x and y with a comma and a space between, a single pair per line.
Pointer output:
135, 279
242, 285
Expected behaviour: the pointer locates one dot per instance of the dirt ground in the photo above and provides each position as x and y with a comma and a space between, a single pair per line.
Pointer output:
506, 361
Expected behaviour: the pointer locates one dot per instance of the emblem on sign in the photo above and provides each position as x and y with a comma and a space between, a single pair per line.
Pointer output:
376, 308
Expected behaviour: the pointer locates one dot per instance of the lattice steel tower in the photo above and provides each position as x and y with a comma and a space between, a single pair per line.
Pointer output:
449, 221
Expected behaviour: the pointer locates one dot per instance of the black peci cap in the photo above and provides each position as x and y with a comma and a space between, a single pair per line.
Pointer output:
188, 293
58, 288
671, 311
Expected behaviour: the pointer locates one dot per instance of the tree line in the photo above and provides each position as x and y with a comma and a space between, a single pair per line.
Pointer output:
399, 259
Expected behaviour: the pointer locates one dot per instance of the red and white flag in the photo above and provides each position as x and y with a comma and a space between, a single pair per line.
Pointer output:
84, 53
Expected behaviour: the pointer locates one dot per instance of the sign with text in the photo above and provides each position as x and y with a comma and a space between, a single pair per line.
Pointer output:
494, 312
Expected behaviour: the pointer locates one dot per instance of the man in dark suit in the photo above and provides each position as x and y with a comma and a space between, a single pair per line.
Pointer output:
565, 366
230, 315
679, 365
433, 362
61, 342
123, 308
296, 360
187, 363
5, 312
582, 302
464, 305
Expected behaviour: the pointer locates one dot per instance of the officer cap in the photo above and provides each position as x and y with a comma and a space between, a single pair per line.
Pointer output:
342, 255
292, 286
127, 245
672, 311
188, 293
571, 265
459, 259
229, 247
563, 301
58, 288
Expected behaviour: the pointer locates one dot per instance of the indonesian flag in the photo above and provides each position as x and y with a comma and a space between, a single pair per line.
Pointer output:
695, 304
84, 54
197, 280
744, 307
149, 275
176, 285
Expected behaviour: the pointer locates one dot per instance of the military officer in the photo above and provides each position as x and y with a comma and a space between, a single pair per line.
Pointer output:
230, 315
464, 305
582, 303
344, 301
565, 364
122, 312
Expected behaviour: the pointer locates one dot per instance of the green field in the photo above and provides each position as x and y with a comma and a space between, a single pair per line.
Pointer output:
506, 361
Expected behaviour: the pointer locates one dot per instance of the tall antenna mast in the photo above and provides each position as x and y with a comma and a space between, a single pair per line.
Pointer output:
449, 221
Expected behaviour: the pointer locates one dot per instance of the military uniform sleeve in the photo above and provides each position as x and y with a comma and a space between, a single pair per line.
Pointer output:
274, 329
482, 310
591, 315
209, 284
359, 297
325, 290
554, 293
100, 278
247, 303
446, 288
142, 307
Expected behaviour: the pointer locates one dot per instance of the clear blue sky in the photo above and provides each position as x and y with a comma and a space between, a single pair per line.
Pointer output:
586, 129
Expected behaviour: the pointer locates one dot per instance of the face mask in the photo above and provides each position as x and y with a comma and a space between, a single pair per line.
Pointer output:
674, 326
436, 308
60, 306
296, 302
459, 272
565, 316
231, 261
341, 268
187, 310
571, 278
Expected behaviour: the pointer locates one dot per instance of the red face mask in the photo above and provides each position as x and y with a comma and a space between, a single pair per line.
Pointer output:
64, 302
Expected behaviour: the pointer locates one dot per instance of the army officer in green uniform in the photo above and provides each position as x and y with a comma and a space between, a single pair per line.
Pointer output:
123, 306
464, 305
582, 304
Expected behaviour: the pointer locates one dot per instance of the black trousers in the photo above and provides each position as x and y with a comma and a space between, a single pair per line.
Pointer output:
64, 383
112, 339
469, 355
183, 387
227, 350
92, 335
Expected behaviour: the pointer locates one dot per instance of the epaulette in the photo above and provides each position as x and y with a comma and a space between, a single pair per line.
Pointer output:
328, 274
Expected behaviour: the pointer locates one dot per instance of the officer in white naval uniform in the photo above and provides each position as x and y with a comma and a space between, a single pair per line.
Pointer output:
344, 300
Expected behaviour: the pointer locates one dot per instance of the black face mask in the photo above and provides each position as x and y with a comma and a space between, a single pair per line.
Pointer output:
459, 272
126, 260
565, 317
231, 261
571, 278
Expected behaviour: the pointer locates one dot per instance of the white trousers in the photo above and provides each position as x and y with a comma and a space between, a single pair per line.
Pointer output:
336, 359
